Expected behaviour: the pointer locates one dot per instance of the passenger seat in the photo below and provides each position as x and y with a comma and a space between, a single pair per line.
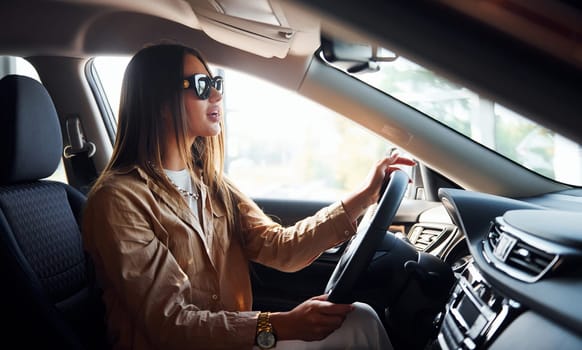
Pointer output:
47, 293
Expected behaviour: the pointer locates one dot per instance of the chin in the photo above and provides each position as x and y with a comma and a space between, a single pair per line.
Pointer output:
215, 130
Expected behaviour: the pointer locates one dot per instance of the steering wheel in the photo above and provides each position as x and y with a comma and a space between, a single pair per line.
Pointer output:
369, 235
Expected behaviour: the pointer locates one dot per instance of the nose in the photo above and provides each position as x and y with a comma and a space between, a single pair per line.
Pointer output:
215, 96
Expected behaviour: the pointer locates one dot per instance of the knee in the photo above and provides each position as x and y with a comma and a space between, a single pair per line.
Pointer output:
363, 310
366, 328
363, 316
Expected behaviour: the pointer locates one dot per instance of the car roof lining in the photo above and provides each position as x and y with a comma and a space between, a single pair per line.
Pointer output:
82, 23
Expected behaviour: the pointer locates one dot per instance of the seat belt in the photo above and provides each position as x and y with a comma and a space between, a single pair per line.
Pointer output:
79, 153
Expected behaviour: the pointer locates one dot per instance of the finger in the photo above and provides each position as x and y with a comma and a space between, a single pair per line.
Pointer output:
320, 297
331, 309
403, 161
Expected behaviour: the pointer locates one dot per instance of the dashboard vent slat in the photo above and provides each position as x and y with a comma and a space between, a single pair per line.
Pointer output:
531, 260
508, 251
494, 235
423, 237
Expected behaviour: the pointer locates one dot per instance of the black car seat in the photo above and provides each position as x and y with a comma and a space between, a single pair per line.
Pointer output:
48, 295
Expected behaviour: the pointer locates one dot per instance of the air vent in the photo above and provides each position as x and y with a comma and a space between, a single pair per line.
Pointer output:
424, 236
506, 248
530, 260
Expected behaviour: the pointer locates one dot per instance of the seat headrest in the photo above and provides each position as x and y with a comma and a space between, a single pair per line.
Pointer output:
30, 137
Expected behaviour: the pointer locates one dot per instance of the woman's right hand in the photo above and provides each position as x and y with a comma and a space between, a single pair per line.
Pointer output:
357, 202
314, 319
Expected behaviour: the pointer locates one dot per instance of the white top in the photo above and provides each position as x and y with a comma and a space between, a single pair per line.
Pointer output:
182, 179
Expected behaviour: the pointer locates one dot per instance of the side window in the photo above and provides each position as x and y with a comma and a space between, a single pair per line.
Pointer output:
278, 143
282, 145
109, 72
20, 66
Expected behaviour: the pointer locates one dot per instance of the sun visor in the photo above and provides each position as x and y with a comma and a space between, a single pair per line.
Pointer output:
261, 27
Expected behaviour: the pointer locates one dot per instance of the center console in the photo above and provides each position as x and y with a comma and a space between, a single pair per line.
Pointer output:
474, 313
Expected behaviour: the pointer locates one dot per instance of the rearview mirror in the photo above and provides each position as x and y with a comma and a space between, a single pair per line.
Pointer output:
355, 57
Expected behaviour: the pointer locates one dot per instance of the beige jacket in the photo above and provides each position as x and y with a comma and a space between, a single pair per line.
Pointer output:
165, 287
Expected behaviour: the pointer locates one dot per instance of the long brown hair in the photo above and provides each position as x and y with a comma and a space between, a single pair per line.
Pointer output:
152, 88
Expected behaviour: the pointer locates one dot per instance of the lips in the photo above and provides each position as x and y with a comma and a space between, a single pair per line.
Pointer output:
214, 113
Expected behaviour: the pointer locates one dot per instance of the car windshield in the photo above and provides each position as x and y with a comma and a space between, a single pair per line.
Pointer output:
484, 121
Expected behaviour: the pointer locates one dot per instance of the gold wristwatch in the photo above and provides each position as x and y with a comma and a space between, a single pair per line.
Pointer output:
265, 337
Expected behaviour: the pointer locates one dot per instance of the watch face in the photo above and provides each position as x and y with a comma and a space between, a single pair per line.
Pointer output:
265, 340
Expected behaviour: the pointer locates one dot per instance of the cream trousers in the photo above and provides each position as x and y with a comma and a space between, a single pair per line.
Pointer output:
361, 330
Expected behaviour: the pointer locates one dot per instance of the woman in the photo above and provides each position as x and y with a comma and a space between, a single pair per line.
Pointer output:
171, 237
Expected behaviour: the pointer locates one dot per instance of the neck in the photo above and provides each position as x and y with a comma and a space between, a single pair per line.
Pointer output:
173, 163
171, 159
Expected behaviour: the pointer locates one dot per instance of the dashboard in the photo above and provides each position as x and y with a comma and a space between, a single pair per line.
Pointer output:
518, 282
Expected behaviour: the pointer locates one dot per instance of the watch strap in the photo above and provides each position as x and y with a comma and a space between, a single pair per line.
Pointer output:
265, 337
264, 322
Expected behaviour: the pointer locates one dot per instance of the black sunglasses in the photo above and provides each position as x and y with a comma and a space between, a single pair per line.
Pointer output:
201, 84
